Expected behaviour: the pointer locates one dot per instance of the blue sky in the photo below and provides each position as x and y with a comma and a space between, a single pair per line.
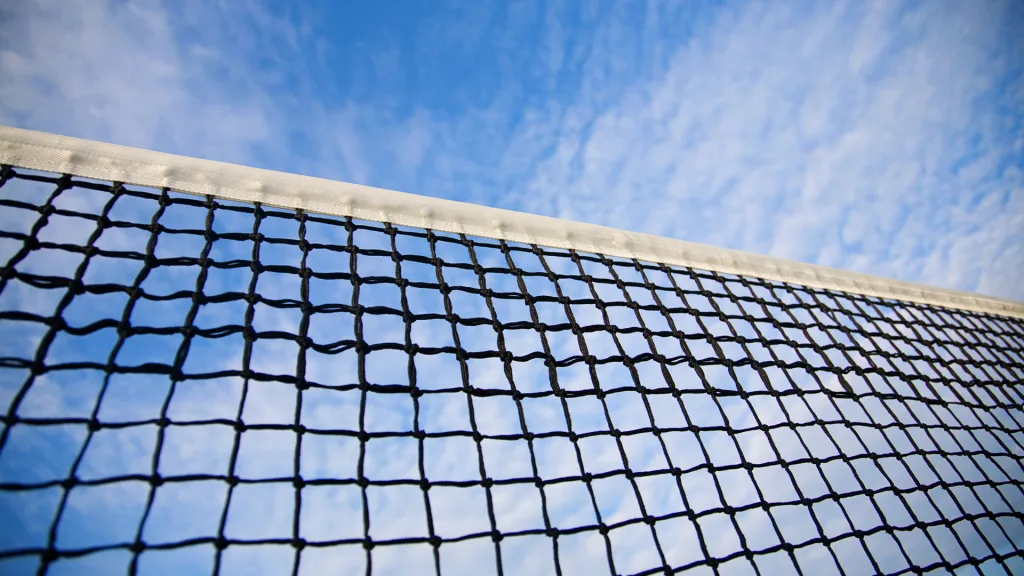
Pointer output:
880, 137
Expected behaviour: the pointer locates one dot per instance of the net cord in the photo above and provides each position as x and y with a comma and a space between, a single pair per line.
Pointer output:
97, 160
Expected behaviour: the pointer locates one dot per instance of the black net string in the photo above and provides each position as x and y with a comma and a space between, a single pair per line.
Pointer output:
191, 385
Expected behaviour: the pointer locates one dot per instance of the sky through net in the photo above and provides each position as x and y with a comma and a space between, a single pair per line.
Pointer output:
189, 384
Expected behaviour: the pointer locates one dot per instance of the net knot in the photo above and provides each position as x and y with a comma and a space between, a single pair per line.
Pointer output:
363, 482
137, 547
76, 287
368, 544
299, 482
588, 477
364, 436
435, 541
221, 543
94, 425
552, 532
70, 482
496, 536
487, 483
298, 543
300, 429
232, 480
156, 480
677, 472
134, 292
49, 555
573, 437
240, 427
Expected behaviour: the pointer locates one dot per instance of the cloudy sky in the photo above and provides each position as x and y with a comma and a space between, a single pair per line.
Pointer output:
880, 137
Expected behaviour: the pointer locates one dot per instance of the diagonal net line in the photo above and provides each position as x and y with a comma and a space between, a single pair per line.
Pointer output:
223, 386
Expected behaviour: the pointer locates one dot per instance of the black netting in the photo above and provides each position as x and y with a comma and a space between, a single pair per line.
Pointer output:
191, 385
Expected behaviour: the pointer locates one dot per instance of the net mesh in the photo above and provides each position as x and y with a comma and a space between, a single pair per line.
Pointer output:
190, 385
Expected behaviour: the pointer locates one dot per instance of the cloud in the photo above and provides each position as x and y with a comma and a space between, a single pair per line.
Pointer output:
871, 137
879, 137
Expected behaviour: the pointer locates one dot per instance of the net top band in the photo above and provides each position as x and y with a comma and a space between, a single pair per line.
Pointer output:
97, 160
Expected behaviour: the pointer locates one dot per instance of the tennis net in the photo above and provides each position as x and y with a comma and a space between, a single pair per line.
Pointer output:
190, 383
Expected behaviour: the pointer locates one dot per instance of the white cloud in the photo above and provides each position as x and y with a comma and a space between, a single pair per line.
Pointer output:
848, 135
872, 137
